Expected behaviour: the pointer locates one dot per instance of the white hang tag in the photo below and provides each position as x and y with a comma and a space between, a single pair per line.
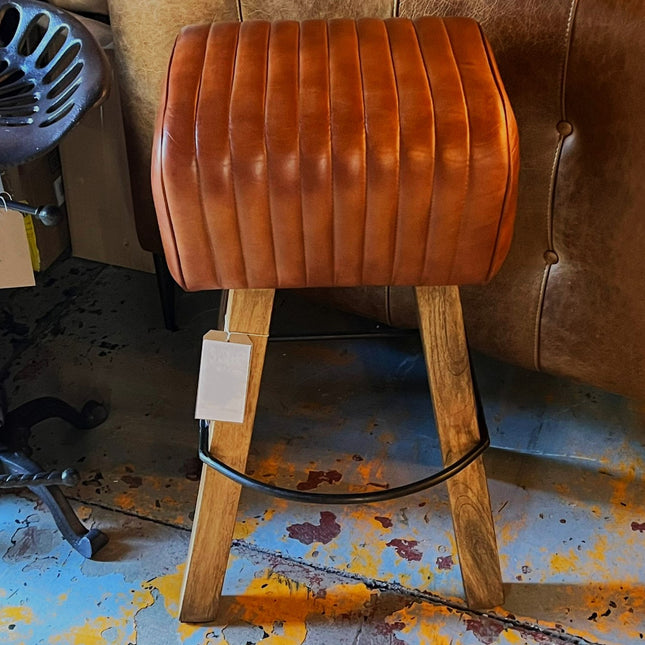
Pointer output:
15, 260
223, 376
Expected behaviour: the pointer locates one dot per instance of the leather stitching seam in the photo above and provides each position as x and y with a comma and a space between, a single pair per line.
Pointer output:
552, 185
198, 172
171, 228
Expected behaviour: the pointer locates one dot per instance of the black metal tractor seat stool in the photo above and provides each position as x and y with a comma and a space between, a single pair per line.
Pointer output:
51, 72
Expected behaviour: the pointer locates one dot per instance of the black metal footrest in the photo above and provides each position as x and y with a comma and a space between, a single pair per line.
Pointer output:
342, 498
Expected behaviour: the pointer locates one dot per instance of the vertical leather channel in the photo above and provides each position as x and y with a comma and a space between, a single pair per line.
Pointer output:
249, 170
175, 161
417, 152
214, 152
382, 129
315, 151
348, 151
452, 167
283, 154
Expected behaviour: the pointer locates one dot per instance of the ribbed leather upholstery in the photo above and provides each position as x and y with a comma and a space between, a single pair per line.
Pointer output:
334, 153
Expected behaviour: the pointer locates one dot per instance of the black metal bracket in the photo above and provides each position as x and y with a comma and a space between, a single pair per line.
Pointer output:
19, 470
49, 214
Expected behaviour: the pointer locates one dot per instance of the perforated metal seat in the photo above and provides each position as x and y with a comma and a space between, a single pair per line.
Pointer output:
51, 72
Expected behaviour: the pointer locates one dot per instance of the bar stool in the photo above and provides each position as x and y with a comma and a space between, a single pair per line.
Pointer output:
339, 153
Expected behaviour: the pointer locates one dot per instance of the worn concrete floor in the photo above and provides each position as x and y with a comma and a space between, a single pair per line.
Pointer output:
565, 474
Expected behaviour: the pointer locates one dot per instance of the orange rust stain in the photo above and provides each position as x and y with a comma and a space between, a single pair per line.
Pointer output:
372, 423
598, 553
626, 610
387, 438
426, 571
273, 465
426, 623
370, 472
273, 602
620, 487
312, 410
563, 489
125, 501
624, 621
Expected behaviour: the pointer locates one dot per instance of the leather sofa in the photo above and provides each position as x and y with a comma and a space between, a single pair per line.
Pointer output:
569, 299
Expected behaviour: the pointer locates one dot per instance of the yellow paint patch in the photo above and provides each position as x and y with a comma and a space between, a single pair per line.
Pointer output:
246, 527
91, 632
598, 553
513, 638
564, 562
16, 614
366, 559
510, 531
281, 607
169, 588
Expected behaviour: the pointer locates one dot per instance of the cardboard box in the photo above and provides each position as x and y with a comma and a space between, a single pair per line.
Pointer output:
37, 183
97, 181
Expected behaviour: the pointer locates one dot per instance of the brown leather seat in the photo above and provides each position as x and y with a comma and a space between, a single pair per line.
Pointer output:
339, 153
334, 154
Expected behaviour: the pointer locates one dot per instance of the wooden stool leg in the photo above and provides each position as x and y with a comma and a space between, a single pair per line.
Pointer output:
210, 542
446, 353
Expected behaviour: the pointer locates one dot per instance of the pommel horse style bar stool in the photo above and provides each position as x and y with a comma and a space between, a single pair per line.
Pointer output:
327, 154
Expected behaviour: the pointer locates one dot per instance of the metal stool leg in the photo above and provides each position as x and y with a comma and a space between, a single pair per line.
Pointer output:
86, 542
166, 286
22, 471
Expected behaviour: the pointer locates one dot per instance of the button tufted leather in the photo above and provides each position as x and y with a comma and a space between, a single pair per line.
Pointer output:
335, 153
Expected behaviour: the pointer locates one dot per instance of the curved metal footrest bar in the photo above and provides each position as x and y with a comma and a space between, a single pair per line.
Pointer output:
342, 498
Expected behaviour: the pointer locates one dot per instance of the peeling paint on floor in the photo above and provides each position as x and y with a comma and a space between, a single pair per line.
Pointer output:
564, 473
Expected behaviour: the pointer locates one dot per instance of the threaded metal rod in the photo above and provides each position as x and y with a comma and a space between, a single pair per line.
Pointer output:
69, 477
